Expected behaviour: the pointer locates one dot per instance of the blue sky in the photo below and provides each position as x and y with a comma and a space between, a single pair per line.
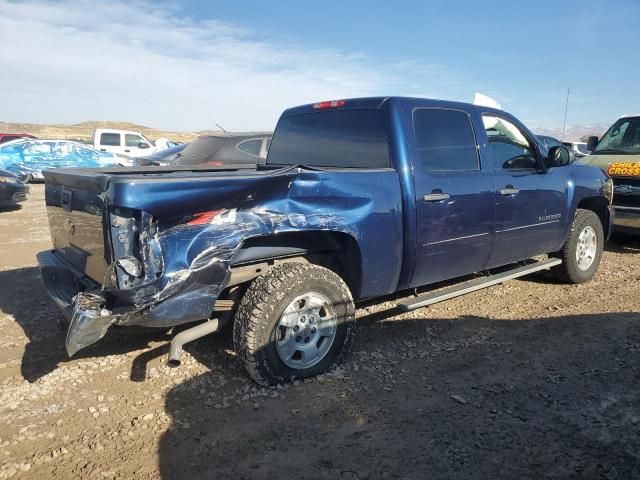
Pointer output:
240, 63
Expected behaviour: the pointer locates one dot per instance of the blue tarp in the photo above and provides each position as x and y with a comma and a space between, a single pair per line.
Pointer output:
42, 154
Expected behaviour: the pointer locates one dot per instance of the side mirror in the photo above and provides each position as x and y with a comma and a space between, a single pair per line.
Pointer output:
591, 143
558, 157
143, 145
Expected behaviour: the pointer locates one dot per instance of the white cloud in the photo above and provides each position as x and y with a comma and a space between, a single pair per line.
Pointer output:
70, 61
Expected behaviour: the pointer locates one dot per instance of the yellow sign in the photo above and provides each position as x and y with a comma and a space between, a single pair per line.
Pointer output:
622, 169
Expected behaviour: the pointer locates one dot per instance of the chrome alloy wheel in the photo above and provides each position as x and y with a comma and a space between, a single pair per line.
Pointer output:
306, 330
586, 248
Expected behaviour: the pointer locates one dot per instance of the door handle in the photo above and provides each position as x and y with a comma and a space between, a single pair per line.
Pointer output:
436, 197
127, 150
508, 190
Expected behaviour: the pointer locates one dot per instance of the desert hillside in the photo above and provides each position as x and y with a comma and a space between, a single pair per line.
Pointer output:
574, 133
84, 130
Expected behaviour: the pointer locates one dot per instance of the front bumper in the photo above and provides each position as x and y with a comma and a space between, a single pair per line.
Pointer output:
627, 219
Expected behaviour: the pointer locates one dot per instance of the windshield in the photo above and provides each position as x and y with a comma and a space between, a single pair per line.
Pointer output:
199, 150
623, 138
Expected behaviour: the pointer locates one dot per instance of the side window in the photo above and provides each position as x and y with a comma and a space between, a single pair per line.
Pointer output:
110, 139
445, 140
131, 140
252, 147
510, 149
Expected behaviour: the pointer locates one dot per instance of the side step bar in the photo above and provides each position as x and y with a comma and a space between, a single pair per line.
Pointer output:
472, 285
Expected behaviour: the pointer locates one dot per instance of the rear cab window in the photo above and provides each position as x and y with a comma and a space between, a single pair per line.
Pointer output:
336, 138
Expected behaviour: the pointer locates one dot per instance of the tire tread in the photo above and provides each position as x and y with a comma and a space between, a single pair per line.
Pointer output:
258, 304
568, 271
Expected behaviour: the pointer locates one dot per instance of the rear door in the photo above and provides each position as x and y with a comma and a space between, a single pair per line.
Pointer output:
530, 200
454, 195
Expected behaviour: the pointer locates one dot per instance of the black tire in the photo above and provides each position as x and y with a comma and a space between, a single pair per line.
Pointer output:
569, 271
255, 329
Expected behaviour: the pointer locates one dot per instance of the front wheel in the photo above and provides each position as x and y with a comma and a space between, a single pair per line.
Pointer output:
296, 321
582, 250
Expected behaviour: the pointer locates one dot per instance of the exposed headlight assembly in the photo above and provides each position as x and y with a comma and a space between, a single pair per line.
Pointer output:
607, 189
130, 265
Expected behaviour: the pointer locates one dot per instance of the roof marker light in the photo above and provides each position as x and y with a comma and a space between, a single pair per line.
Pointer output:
329, 104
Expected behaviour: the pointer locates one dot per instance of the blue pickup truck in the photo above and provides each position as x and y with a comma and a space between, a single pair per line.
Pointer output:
358, 199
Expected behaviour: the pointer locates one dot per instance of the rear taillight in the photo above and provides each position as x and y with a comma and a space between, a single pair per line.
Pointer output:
329, 104
204, 217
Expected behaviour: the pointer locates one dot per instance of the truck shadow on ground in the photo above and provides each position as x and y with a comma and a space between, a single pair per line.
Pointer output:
623, 244
43, 325
465, 398
424, 398
9, 208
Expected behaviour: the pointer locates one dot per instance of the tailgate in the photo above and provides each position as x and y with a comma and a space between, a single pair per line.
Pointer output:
76, 207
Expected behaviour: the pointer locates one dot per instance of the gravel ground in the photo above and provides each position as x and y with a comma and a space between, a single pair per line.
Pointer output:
529, 379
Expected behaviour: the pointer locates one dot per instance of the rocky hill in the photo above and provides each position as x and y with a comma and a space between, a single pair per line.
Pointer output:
573, 133
84, 130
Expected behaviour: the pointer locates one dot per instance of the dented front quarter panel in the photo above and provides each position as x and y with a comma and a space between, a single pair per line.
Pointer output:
187, 266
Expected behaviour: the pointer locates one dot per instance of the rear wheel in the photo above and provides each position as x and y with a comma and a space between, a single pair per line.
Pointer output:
295, 321
582, 250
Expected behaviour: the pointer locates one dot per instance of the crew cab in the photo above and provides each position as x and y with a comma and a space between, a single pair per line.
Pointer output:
618, 153
123, 142
357, 199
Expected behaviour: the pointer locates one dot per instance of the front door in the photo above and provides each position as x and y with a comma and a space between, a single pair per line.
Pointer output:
135, 145
530, 201
455, 198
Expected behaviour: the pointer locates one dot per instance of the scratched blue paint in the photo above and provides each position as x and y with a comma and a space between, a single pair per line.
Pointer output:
402, 240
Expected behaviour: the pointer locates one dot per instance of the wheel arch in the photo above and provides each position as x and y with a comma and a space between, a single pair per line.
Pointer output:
600, 206
336, 250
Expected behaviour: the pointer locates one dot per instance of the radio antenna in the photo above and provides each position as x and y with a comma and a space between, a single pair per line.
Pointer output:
566, 108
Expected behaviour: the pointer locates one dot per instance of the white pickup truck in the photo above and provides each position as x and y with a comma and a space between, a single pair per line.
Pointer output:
122, 142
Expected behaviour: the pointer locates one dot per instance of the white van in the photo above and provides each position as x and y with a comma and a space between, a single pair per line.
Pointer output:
122, 142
